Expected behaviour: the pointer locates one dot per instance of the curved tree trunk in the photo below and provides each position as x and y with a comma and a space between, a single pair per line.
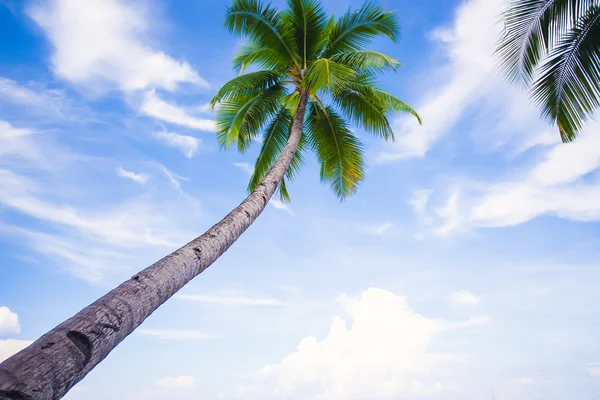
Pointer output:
53, 364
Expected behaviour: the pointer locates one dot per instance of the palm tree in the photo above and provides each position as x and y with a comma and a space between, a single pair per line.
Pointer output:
315, 79
553, 46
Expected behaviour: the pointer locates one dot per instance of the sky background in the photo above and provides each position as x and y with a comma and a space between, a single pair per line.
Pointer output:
466, 266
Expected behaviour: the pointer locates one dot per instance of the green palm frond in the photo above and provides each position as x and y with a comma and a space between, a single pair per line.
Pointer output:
364, 112
340, 153
355, 29
266, 27
552, 46
387, 101
240, 118
326, 74
568, 88
309, 22
532, 27
254, 54
275, 137
246, 84
367, 61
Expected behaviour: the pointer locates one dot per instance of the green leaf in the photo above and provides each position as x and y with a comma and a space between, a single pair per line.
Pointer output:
568, 88
367, 61
309, 22
275, 137
263, 24
246, 84
339, 152
254, 54
326, 74
364, 112
355, 29
532, 27
240, 118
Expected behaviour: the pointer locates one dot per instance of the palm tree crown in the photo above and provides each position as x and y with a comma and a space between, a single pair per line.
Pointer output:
301, 51
554, 46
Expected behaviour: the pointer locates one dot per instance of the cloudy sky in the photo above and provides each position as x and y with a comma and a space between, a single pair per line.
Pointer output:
466, 267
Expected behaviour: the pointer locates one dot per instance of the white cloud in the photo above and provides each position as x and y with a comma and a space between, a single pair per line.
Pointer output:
153, 106
94, 240
176, 334
450, 215
526, 381
139, 178
187, 144
98, 41
232, 300
594, 369
8, 347
380, 229
463, 298
16, 142
382, 352
467, 77
9, 322
561, 183
124, 226
244, 166
47, 100
280, 205
179, 382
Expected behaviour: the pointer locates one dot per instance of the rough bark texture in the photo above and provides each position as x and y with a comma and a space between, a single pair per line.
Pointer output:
53, 364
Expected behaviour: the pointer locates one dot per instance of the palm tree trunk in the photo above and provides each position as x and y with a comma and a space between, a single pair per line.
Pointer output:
49, 367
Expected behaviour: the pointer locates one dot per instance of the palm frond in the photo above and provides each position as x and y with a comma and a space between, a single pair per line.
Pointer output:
309, 22
275, 137
387, 101
367, 61
326, 74
568, 88
339, 152
251, 18
246, 84
355, 29
254, 54
532, 27
241, 117
368, 114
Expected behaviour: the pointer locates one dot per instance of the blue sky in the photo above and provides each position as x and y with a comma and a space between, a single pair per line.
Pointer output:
466, 266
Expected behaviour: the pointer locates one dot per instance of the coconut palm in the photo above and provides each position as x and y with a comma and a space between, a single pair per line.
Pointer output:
553, 46
315, 79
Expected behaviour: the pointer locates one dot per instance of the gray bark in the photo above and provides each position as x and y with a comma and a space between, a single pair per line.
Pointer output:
54, 363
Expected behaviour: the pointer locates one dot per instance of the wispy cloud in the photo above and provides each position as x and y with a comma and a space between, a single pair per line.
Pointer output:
104, 41
466, 77
176, 334
380, 229
139, 178
463, 298
280, 205
593, 368
245, 167
188, 145
52, 101
560, 183
155, 107
179, 382
233, 300
526, 381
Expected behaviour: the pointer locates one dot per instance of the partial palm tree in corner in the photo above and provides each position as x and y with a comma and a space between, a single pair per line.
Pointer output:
316, 79
553, 46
